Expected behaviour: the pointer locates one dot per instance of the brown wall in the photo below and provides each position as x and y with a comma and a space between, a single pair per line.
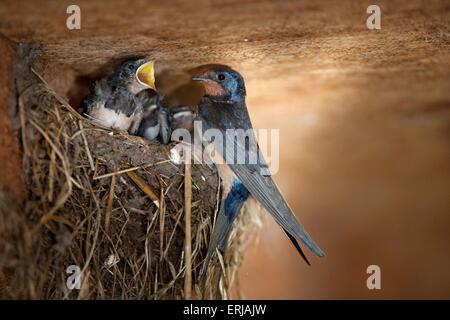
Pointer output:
364, 118
11, 180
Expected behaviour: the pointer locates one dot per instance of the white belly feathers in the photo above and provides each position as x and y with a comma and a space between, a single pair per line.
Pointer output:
110, 118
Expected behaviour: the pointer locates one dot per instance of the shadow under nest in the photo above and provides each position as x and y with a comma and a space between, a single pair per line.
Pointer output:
111, 204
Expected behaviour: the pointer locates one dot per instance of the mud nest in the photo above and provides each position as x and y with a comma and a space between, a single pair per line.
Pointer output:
107, 204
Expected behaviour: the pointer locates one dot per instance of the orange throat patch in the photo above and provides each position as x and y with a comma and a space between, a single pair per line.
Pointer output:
212, 88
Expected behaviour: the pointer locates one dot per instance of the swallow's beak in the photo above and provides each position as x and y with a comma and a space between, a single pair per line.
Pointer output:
200, 78
145, 74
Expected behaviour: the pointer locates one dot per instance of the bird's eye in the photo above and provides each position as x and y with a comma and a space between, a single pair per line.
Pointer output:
221, 76
131, 67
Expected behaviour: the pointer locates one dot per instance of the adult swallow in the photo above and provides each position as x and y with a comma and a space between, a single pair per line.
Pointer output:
160, 120
223, 107
114, 102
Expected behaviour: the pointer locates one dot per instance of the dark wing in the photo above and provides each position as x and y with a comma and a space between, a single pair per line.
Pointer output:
297, 246
219, 237
165, 128
265, 191
252, 176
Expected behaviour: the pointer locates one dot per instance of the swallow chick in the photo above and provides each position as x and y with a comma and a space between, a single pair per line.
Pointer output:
160, 120
223, 107
176, 117
114, 102
150, 125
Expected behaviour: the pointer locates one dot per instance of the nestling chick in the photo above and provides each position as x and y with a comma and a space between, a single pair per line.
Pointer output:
160, 120
114, 102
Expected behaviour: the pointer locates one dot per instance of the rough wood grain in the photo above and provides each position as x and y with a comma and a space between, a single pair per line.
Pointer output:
364, 117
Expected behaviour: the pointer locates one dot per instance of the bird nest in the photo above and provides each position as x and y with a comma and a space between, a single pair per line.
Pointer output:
109, 207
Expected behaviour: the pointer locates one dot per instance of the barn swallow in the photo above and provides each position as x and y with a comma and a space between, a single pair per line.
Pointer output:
114, 102
160, 120
222, 108
150, 124
172, 118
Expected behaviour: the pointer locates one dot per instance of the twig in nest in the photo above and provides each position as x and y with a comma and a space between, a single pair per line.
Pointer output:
187, 239
172, 235
66, 189
224, 277
144, 187
106, 175
162, 219
26, 149
88, 152
109, 205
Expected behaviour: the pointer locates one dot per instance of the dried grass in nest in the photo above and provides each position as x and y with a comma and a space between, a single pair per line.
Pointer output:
112, 204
